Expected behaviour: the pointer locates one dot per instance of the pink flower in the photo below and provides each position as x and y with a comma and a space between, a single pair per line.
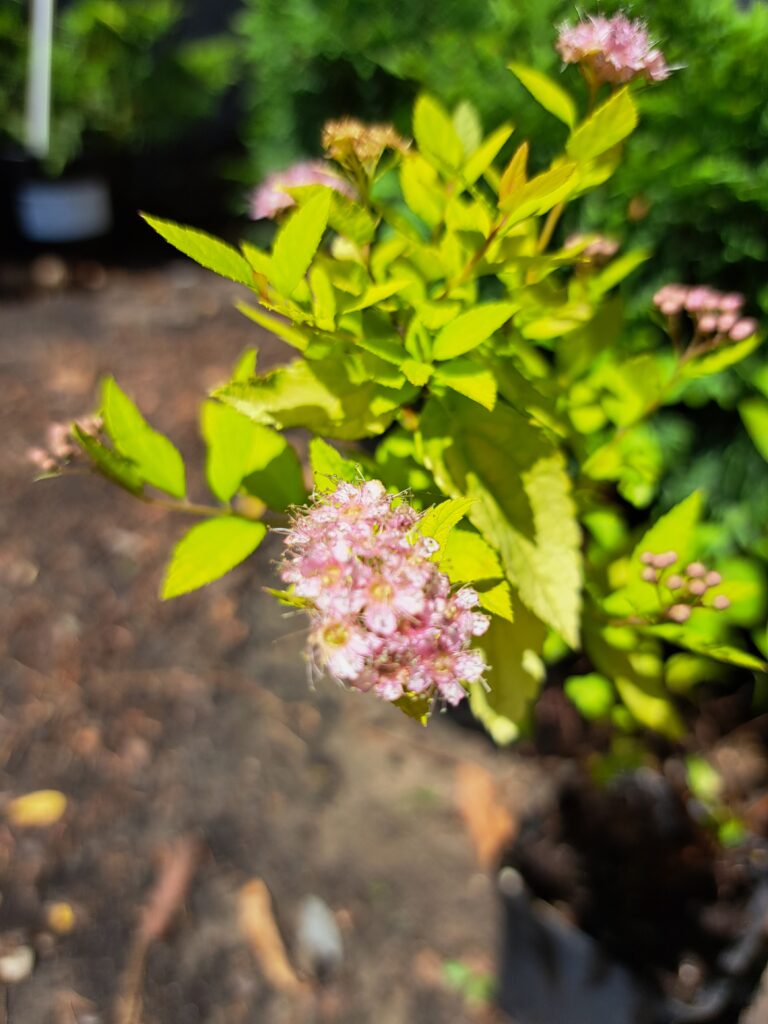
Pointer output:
716, 315
612, 49
383, 617
270, 198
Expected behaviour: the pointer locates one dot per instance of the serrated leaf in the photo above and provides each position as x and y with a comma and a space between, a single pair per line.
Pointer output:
513, 652
496, 599
435, 134
297, 241
539, 194
471, 329
287, 332
416, 372
467, 558
208, 551
438, 521
612, 122
515, 173
323, 298
329, 466
470, 379
110, 463
524, 507
154, 456
548, 93
209, 252
319, 395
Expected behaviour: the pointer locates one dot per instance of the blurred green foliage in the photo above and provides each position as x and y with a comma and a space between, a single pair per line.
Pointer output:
121, 78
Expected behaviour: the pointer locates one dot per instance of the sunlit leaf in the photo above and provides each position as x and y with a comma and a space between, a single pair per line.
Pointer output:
208, 551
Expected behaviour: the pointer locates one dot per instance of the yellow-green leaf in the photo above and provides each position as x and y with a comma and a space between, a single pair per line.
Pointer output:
416, 372
549, 94
435, 133
208, 551
438, 521
605, 128
754, 414
486, 153
471, 329
287, 332
297, 242
470, 379
539, 194
209, 252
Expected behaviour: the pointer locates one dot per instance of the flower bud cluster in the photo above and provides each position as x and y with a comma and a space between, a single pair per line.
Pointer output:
687, 586
354, 144
60, 444
382, 615
271, 197
615, 50
716, 315
596, 249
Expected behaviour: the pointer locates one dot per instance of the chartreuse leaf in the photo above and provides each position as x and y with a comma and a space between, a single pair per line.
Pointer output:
538, 195
329, 466
323, 298
319, 395
592, 694
416, 372
515, 173
721, 358
292, 335
241, 452
435, 133
468, 125
548, 93
513, 653
467, 558
523, 506
471, 329
485, 154
469, 378
605, 128
154, 456
209, 252
297, 242
109, 462
637, 674
208, 551
754, 414
438, 521
690, 640
422, 189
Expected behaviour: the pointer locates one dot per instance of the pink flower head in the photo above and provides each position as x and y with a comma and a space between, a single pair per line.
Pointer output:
716, 315
612, 49
271, 198
383, 617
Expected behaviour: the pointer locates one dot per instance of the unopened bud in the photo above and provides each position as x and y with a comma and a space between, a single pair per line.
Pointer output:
708, 323
713, 578
648, 558
721, 602
698, 587
675, 582
665, 559
650, 575
743, 329
695, 569
679, 613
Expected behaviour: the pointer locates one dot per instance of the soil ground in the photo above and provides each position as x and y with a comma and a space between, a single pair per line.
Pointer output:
193, 721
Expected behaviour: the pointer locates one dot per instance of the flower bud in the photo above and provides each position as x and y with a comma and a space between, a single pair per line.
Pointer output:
650, 575
648, 558
665, 559
675, 582
698, 587
743, 329
721, 602
713, 578
679, 613
695, 569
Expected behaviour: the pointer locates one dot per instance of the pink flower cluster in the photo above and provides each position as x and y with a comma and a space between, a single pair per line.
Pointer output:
687, 586
716, 315
612, 49
383, 616
60, 444
270, 198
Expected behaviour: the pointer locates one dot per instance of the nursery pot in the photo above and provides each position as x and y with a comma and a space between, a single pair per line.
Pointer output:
73, 208
619, 907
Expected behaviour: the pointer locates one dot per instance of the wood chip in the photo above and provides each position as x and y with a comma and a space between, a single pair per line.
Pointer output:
258, 927
487, 820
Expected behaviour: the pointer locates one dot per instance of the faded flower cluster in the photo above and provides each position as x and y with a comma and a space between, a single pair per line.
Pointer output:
615, 49
271, 197
688, 587
354, 144
716, 315
383, 616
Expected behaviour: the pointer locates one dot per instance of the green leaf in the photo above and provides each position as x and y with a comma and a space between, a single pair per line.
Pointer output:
691, 641
208, 551
110, 463
513, 653
323, 299
538, 195
416, 372
329, 466
469, 128
154, 456
605, 128
438, 521
472, 328
292, 335
319, 395
486, 153
422, 190
470, 379
243, 453
549, 94
592, 694
754, 414
435, 134
467, 558
209, 252
724, 356
377, 293
496, 599
524, 506
297, 241
415, 706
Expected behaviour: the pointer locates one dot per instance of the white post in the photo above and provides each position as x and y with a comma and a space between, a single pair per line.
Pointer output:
37, 126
